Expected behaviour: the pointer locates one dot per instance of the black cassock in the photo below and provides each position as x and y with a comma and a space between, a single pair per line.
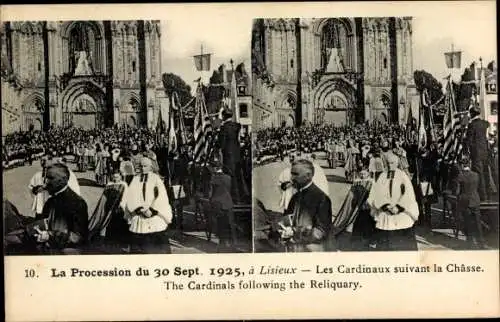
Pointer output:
231, 158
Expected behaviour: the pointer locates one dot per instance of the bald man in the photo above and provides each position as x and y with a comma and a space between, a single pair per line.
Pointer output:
309, 210
394, 208
150, 211
66, 215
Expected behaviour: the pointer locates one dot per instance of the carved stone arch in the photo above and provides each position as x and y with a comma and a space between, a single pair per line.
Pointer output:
131, 103
83, 36
67, 26
34, 103
349, 24
72, 93
289, 97
384, 99
326, 87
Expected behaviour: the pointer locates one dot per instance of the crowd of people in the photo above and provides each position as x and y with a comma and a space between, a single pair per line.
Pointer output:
146, 185
373, 157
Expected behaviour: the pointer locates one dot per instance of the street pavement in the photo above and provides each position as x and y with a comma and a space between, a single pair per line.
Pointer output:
192, 240
265, 181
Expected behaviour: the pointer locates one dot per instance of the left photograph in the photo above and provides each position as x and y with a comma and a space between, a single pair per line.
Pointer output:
124, 137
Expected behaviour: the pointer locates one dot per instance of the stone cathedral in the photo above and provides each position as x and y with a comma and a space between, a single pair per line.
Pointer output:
347, 70
88, 74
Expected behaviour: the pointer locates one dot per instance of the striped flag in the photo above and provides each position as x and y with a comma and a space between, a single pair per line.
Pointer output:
454, 130
202, 128
451, 123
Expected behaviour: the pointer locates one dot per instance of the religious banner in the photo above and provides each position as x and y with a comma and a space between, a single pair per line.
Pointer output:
453, 59
202, 62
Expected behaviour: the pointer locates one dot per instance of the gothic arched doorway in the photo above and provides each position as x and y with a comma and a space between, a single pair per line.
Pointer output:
334, 101
131, 111
83, 106
287, 108
33, 109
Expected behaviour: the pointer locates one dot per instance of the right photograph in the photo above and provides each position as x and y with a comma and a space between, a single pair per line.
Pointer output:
372, 134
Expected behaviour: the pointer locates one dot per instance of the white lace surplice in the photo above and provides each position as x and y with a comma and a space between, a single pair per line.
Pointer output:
379, 196
160, 203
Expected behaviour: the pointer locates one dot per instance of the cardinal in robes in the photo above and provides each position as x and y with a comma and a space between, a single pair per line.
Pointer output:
65, 214
150, 211
307, 221
394, 208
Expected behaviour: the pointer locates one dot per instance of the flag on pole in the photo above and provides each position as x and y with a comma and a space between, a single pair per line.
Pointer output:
482, 93
234, 97
410, 125
451, 125
161, 127
172, 136
202, 127
453, 59
182, 137
422, 133
202, 62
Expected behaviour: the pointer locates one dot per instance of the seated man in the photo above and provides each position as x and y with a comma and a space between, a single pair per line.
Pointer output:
65, 213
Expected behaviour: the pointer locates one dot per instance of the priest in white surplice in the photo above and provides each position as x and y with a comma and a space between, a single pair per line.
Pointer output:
394, 209
150, 211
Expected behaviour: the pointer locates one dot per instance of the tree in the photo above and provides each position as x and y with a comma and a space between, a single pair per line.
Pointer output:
173, 83
214, 92
425, 80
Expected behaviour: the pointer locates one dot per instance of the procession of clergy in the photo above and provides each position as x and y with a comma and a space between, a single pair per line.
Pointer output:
143, 195
386, 199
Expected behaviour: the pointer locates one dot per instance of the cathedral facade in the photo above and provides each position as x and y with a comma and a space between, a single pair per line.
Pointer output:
89, 74
332, 70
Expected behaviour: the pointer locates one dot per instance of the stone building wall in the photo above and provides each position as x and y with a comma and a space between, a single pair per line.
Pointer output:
131, 81
366, 82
